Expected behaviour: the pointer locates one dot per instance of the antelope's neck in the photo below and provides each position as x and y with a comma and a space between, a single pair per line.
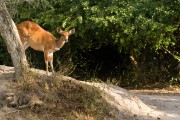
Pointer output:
59, 43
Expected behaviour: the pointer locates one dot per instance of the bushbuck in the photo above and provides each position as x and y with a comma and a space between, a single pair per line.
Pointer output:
31, 34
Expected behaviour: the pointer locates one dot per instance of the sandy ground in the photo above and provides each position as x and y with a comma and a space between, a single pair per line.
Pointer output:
147, 104
141, 104
166, 102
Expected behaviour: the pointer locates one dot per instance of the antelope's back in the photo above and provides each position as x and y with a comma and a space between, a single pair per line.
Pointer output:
28, 30
34, 35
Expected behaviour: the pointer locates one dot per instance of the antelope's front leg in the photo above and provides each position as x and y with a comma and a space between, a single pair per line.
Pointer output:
46, 62
48, 56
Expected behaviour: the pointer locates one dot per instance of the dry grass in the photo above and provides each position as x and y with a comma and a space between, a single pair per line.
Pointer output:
55, 99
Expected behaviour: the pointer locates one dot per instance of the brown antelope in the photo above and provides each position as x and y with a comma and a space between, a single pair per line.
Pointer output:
31, 34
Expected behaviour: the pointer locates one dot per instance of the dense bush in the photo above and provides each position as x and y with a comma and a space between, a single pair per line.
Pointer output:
108, 32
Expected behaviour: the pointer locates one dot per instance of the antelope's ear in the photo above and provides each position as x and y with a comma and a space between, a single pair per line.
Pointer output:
59, 30
72, 31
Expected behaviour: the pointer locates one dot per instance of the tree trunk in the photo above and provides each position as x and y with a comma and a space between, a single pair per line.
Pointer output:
11, 37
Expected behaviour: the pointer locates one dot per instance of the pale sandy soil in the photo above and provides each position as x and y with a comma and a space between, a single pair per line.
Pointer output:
165, 101
146, 104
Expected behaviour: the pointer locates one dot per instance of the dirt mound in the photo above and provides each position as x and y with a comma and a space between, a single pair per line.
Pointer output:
63, 97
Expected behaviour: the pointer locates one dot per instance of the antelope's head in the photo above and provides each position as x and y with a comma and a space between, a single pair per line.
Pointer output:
65, 34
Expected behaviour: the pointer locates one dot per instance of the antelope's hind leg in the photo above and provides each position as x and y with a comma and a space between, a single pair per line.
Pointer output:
51, 64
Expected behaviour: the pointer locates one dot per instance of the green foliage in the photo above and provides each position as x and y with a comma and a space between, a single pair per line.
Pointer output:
175, 56
130, 25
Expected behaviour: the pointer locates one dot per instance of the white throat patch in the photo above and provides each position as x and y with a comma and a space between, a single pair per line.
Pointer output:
63, 42
50, 53
57, 48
